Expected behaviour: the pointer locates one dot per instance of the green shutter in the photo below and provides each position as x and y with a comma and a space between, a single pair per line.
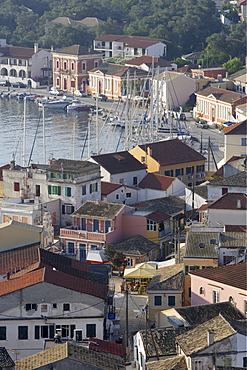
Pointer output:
49, 189
36, 332
186, 270
59, 190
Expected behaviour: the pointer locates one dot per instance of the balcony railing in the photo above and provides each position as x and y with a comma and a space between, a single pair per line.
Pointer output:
68, 232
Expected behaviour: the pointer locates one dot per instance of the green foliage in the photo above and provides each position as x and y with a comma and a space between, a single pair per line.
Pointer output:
181, 62
233, 65
116, 257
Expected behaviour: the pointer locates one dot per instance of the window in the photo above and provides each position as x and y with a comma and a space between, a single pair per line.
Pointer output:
121, 181
93, 247
215, 296
68, 191
84, 190
54, 305
37, 190
3, 332
224, 191
179, 171
115, 86
168, 173
96, 64
157, 300
135, 180
90, 330
16, 186
31, 307
128, 195
96, 225
67, 209
151, 225
189, 292
44, 308
66, 307
107, 226
83, 224
171, 300
83, 251
22, 332
117, 196
44, 331
64, 65
57, 63
71, 247
55, 190
201, 290
243, 141
36, 332
93, 187
190, 184
189, 170
200, 168
244, 361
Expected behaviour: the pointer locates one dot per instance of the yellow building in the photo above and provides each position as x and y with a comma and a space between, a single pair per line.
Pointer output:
235, 140
165, 290
172, 158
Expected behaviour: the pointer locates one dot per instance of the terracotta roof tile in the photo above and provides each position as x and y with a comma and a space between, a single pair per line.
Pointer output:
120, 70
239, 128
158, 216
227, 96
56, 278
105, 346
109, 187
146, 59
17, 52
170, 152
232, 275
132, 41
156, 182
234, 201
76, 50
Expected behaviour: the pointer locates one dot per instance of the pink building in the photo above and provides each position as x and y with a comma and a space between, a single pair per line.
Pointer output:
220, 284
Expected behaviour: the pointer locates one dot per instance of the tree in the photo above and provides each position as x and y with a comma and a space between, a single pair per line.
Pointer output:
116, 257
233, 65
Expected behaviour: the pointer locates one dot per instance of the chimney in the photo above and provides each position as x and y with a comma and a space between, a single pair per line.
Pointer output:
36, 47
52, 48
239, 204
8, 275
12, 164
210, 337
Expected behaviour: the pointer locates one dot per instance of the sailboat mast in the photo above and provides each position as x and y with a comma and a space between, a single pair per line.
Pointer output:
24, 132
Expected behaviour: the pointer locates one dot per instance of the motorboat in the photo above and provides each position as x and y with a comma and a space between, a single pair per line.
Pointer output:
78, 106
55, 103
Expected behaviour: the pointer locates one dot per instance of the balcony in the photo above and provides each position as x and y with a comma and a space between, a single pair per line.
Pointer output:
70, 232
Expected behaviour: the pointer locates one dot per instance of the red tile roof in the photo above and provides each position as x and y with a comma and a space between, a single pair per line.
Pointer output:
232, 275
105, 346
203, 207
17, 52
239, 128
223, 95
236, 228
146, 59
108, 187
169, 152
156, 182
234, 201
220, 170
132, 41
158, 216
54, 277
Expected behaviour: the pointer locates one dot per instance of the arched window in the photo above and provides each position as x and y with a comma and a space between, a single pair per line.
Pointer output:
4, 72
201, 290
57, 64
22, 73
13, 73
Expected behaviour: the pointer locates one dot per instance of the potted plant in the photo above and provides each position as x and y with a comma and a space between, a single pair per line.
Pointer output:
141, 289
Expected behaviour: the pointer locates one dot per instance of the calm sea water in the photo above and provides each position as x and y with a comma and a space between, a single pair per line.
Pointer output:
66, 133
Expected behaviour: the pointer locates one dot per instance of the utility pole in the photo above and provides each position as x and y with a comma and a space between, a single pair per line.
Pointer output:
127, 322
209, 153
201, 144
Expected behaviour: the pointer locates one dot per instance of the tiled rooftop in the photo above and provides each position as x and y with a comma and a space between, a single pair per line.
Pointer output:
195, 315
171, 363
233, 201
5, 359
167, 205
119, 162
239, 128
138, 245
232, 275
171, 152
73, 352
201, 245
239, 180
120, 70
168, 278
100, 210
156, 182
104, 346
71, 166
226, 96
53, 277
195, 340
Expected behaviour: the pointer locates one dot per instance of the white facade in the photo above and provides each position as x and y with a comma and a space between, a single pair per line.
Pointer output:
123, 195
221, 217
34, 313
215, 192
139, 351
174, 89
198, 200
176, 188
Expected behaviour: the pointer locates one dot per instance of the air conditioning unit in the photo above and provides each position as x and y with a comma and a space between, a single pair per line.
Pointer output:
198, 175
180, 178
202, 174
78, 335
190, 177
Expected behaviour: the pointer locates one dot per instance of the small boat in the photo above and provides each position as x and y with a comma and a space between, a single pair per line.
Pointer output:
78, 106
54, 103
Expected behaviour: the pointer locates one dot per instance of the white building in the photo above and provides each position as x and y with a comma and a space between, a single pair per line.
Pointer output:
232, 184
129, 46
38, 304
22, 64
